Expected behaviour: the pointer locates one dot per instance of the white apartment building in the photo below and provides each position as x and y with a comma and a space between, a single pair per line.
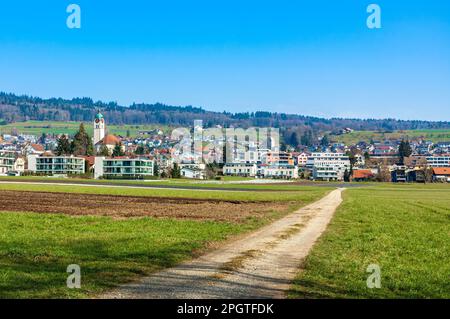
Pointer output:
10, 162
280, 171
122, 168
193, 173
240, 169
302, 159
56, 165
328, 166
438, 161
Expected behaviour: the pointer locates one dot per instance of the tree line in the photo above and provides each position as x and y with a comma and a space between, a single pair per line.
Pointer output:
14, 108
81, 145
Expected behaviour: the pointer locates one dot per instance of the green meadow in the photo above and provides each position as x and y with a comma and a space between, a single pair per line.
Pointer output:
53, 127
36, 248
402, 228
356, 136
405, 229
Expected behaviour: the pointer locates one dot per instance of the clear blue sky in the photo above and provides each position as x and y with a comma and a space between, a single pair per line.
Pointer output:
305, 57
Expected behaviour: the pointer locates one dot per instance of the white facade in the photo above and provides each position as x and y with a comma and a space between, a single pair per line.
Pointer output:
192, 172
99, 128
439, 161
328, 166
7, 161
240, 169
302, 159
122, 168
56, 165
360, 160
19, 165
280, 171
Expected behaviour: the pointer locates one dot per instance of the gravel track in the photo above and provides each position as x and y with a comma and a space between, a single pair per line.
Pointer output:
259, 265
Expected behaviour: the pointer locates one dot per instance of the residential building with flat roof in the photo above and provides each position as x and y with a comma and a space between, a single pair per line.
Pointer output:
123, 168
282, 171
56, 165
439, 161
240, 169
7, 161
328, 166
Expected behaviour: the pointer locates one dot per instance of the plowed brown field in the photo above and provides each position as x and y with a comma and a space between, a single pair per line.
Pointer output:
135, 206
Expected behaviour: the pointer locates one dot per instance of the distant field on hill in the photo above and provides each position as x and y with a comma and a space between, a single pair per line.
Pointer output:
356, 136
36, 248
52, 127
402, 228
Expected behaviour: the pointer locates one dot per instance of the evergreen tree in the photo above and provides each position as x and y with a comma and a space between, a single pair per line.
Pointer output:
117, 151
155, 169
89, 147
175, 172
43, 138
294, 140
347, 176
307, 138
140, 150
82, 143
103, 151
352, 159
63, 147
404, 150
324, 142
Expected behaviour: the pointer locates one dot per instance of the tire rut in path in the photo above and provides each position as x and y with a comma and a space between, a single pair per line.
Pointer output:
263, 264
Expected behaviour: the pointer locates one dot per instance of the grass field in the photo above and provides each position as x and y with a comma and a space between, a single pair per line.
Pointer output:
356, 136
261, 193
52, 127
36, 248
403, 229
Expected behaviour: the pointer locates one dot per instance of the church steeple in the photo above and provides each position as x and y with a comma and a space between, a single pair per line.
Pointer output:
99, 127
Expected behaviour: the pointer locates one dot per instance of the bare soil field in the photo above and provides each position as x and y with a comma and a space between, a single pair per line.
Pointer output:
136, 206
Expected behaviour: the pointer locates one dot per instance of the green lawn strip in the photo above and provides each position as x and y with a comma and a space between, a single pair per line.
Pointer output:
307, 194
35, 250
404, 230
54, 127
438, 135
182, 183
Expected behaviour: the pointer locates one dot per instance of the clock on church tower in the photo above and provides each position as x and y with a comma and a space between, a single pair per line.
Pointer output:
99, 127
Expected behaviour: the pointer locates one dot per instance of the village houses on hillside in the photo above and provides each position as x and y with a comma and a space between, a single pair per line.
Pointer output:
150, 155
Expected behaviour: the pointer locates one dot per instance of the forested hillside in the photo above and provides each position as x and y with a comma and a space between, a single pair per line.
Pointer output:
15, 108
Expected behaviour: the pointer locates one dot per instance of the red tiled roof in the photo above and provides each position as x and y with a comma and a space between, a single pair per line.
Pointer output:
89, 159
441, 170
362, 173
110, 140
38, 147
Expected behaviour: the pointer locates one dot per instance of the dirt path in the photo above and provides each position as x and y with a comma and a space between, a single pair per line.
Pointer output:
260, 265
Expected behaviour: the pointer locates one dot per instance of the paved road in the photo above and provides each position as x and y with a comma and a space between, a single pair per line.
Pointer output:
260, 265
